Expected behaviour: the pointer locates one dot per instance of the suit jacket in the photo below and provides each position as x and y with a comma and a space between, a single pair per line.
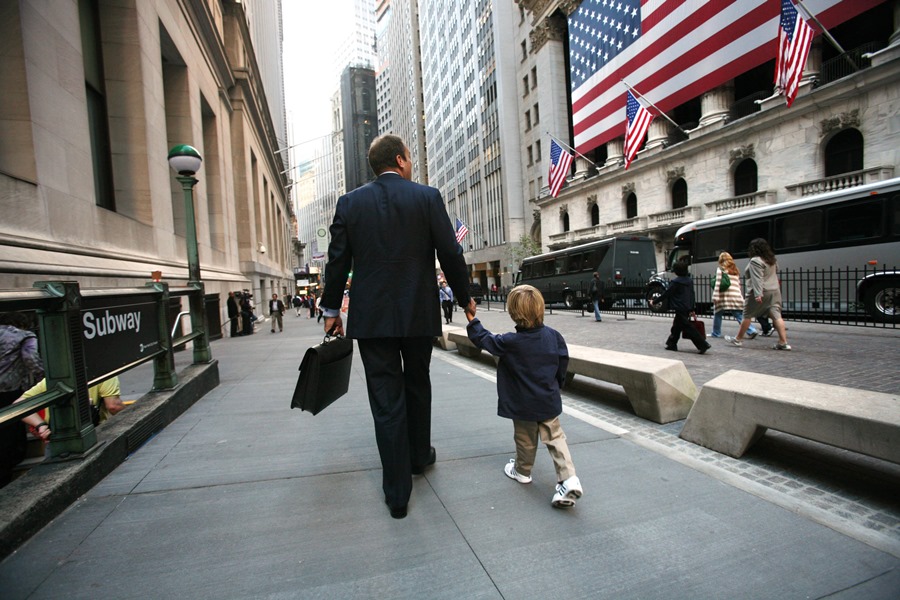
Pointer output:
387, 232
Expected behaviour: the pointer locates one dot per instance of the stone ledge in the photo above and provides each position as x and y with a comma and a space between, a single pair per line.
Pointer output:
33, 500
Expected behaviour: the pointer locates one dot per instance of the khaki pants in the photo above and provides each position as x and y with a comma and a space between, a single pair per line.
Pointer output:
526, 436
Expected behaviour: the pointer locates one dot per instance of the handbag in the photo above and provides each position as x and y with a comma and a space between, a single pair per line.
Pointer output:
324, 374
724, 284
698, 325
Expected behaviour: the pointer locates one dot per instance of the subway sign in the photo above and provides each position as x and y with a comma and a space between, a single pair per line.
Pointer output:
116, 332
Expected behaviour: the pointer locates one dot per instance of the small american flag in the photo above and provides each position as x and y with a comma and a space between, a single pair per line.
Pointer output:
638, 121
794, 41
461, 231
560, 163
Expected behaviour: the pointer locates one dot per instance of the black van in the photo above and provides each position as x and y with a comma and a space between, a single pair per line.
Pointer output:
476, 292
625, 265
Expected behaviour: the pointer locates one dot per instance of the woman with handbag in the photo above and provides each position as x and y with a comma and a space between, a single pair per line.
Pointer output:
764, 293
727, 297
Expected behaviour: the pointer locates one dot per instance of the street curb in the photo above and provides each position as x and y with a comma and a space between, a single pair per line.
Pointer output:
33, 500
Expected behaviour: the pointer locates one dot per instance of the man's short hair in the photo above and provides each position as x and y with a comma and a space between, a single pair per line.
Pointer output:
526, 306
680, 268
384, 151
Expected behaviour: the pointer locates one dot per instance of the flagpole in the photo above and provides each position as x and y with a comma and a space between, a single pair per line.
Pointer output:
641, 96
570, 148
827, 35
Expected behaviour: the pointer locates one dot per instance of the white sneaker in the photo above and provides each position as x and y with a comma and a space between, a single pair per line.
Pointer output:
567, 492
733, 341
510, 470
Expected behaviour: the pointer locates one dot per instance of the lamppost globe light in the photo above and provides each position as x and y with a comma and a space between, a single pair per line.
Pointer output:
184, 159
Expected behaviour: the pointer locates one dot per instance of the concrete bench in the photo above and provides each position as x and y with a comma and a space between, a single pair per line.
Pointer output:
659, 389
734, 410
443, 340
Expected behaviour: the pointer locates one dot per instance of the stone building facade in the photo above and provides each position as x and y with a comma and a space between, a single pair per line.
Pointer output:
737, 151
95, 94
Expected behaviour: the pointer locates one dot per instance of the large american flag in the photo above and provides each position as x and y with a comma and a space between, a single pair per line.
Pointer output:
794, 41
671, 51
560, 163
638, 121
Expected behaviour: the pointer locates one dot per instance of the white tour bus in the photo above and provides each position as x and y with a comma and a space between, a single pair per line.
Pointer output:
855, 229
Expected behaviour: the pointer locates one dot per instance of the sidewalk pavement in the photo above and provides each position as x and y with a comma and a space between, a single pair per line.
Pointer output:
242, 498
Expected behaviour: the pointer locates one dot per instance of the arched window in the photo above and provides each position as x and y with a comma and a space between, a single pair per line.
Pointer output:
631, 206
745, 180
679, 193
844, 153
595, 215
565, 221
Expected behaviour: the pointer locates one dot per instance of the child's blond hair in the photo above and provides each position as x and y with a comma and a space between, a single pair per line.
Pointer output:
526, 306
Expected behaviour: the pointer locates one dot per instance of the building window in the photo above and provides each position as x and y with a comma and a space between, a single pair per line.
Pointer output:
631, 206
595, 215
533, 77
679, 194
524, 50
525, 86
565, 222
844, 153
95, 89
745, 180
537, 151
527, 120
537, 114
530, 156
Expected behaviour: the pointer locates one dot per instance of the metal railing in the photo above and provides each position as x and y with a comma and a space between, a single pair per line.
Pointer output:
861, 297
87, 336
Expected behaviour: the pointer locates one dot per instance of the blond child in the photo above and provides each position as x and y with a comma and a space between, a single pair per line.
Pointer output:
530, 374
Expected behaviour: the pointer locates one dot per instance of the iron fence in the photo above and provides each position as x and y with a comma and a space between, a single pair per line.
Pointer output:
865, 297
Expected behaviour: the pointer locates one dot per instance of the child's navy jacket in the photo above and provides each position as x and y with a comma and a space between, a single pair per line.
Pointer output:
531, 371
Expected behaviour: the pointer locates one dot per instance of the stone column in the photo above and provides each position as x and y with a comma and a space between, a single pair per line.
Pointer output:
657, 133
813, 65
715, 104
615, 151
581, 167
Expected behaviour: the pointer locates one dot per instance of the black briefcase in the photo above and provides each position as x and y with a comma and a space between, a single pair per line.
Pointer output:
324, 374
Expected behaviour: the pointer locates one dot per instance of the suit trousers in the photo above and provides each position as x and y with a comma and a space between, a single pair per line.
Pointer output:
398, 380
526, 435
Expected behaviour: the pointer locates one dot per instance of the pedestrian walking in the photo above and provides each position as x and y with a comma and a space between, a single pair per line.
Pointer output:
530, 373
396, 313
233, 312
276, 312
446, 295
727, 297
680, 295
596, 292
763, 293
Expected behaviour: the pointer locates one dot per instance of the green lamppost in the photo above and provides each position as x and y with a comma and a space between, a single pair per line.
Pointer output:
185, 160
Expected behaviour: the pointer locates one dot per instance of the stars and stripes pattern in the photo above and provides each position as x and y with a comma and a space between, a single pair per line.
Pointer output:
670, 50
794, 41
461, 231
560, 163
639, 119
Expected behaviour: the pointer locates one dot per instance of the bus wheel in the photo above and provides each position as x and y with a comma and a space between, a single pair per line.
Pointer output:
881, 301
652, 296
569, 300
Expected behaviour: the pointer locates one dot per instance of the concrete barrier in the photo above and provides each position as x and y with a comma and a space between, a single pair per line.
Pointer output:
659, 389
734, 410
444, 341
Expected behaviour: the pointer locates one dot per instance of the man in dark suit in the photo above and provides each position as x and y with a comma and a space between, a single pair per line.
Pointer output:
388, 231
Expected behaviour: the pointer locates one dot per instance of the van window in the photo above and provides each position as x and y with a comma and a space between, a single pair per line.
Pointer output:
709, 242
743, 233
594, 258
526, 270
856, 221
798, 230
575, 262
560, 265
547, 269
895, 202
